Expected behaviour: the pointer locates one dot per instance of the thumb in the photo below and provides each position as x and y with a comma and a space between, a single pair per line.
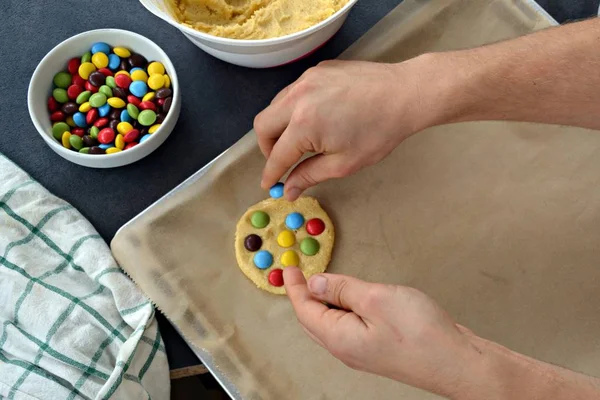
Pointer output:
310, 172
341, 291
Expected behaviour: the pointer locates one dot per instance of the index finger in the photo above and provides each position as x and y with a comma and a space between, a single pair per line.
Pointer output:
285, 153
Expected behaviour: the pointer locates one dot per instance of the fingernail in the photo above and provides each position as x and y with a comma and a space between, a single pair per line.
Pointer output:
292, 194
318, 284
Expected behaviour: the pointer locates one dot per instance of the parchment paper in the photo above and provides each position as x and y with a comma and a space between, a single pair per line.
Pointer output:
499, 222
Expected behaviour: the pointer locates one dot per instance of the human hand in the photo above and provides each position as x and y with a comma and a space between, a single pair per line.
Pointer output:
393, 331
352, 114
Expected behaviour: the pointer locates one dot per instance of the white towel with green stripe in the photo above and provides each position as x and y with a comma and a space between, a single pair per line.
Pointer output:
73, 326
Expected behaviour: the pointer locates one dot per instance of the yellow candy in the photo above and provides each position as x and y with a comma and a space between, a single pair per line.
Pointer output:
112, 150
65, 139
156, 68
86, 69
124, 127
121, 52
286, 239
149, 96
85, 107
119, 142
70, 121
100, 60
290, 259
122, 72
139, 75
116, 102
156, 81
153, 128
167, 81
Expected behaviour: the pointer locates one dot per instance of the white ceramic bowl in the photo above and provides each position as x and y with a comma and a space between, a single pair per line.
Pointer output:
40, 88
264, 53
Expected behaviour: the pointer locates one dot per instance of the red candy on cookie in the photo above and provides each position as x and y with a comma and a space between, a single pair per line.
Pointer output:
315, 226
276, 277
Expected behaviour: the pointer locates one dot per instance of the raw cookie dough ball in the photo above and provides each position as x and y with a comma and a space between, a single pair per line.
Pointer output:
275, 234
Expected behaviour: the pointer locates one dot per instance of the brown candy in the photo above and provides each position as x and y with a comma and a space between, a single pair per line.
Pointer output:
137, 60
97, 78
114, 114
70, 108
120, 93
88, 141
96, 150
163, 93
167, 104
113, 124
252, 242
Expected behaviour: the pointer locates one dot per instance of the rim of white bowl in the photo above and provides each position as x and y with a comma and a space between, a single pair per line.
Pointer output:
254, 42
65, 43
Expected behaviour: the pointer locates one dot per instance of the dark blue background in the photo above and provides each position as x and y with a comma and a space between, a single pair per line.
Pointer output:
220, 102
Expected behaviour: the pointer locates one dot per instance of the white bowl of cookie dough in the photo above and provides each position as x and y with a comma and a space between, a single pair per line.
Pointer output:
56, 60
263, 53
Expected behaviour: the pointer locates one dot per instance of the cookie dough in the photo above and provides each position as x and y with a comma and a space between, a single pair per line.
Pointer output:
253, 19
282, 241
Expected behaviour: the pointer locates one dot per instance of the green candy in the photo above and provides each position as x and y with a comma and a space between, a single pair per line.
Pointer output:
76, 142
309, 246
94, 130
106, 90
60, 95
110, 82
133, 111
84, 150
87, 57
98, 100
146, 117
259, 219
62, 80
83, 97
59, 128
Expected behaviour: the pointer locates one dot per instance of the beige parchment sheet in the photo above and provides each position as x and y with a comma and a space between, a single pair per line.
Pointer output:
498, 222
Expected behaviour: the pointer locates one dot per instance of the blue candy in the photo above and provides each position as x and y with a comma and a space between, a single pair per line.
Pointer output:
113, 61
105, 146
145, 137
104, 110
133, 69
79, 119
138, 88
294, 220
100, 47
276, 190
263, 259
125, 116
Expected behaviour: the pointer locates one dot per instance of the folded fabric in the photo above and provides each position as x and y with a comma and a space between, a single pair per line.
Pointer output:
72, 324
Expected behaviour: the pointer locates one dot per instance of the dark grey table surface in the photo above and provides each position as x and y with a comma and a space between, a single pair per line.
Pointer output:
211, 90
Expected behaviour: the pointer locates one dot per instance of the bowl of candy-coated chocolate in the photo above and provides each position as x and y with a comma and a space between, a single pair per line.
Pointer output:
104, 98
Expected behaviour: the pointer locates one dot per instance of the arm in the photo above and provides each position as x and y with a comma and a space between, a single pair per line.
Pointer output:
353, 114
400, 333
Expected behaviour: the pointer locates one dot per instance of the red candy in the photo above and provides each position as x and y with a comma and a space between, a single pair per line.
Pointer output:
315, 226
130, 99
147, 105
123, 81
106, 136
73, 66
57, 116
131, 136
276, 277
91, 116
78, 131
73, 91
101, 122
77, 80
105, 71
130, 145
52, 104
90, 87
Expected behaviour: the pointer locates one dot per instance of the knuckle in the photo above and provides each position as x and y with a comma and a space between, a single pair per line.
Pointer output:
303, 116
373, 298
344, 170
338, 292
307, 178
258, 123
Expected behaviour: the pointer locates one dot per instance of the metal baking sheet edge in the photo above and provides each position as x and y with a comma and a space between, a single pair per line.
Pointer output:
204, 356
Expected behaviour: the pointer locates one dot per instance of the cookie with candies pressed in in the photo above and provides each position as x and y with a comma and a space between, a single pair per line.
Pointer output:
276, 233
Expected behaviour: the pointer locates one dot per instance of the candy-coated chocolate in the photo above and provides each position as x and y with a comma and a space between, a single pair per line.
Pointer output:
77, 80
149, 96
263, 259
156, 67
85, 69
91, 116
124, 127
315, 226
276, 277
106, 90
98, 99
73, 65
69, 107
96, 150
76, 142
309, 246
57, 116
62, 80
100, 47
53, 105
83, 97
94, 130
60, 95
101, 122
85, 107
258, 219
122, 81
87, 57
104, 110
147, 105
145, 137
137, 60
78, 131
138, 88
66, 140
120, 93
97, 78
88, 86
130, 145
286, 239
252, 242
167, 81
110, 82
153, 128
163, 93
71, 123
100, 60
106, 136
73, 91
131, 136
119, 142
125, 117
139, 75
106, 72
294, 220
276, 190
133, 100
116, 102
85, 150
156, 81
132, 110
122, 52
113, 61
147, 117
113, 150
105, 146
59, 128
79, 119
290, 258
